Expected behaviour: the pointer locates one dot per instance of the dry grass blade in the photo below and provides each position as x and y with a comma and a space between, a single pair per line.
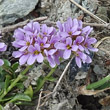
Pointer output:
105, 101
82, 90
100, 41
88, 12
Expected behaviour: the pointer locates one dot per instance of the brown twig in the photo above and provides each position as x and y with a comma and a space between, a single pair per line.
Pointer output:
88, 12
20, 24
38, 105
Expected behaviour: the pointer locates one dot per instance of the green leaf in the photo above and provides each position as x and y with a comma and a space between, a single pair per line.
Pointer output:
98, 83
15, 66
20, 97
6, 63
2, 84
24, 103
40, 82
1, 107
51, 78
29, 91
20, 86
7, 82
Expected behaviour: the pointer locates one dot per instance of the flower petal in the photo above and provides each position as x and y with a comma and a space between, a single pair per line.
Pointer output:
69, 41
17, 54
74, 48
31, 59
66, 54
40, 58
59, 45
23, 59
78, 61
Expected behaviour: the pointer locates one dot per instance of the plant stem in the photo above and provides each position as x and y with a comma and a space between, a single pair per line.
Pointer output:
98, 83
20, 76
45, 79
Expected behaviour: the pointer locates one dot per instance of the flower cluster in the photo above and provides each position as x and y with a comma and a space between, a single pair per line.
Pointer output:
3, 48
35, 42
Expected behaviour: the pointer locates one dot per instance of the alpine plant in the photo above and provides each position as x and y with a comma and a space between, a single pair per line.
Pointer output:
35, 42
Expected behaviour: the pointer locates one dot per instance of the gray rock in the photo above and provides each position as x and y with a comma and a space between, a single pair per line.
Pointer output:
11, 10
99, 70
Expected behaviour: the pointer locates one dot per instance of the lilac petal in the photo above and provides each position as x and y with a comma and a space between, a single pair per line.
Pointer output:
81, 47
46, 45
64, 34
76, 33
82, 55
1, 62
56, 58
4, 48
51, 61
2, 45
79, 39
46, 53
89, 32
67, 27
74, 28
44, 40
69, 41
93, 49
59, 45
74, 48
50, 30
66, 54
17, 54
36, 26
44, 28
22, 43
75, 22
70, 21
31, 59
23, 59
31, 49
88, 60
86, 50
40, 58
78, 61
86, 29
59, 25
37, 47
92, 41
52, 51
15, 44
18, 34
23, 48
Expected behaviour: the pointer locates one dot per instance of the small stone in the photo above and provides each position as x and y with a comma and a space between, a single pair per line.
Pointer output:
99, 70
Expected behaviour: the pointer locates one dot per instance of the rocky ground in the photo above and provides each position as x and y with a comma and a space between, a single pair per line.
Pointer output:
67, 97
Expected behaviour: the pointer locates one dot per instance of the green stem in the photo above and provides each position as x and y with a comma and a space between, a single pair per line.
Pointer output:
98, 83
45, 79
20, 76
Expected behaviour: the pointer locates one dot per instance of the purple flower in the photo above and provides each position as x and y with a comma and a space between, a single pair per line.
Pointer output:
35, 54
50, 58
23, 56
79, 40
67, 47
47, 31
80, 57
43, 42
88, 45
3, 47
23, 44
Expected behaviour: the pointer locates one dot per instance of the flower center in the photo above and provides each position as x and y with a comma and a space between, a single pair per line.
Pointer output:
36, 52
41, 44
45, 33
70, 33
68, 47
27, 43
